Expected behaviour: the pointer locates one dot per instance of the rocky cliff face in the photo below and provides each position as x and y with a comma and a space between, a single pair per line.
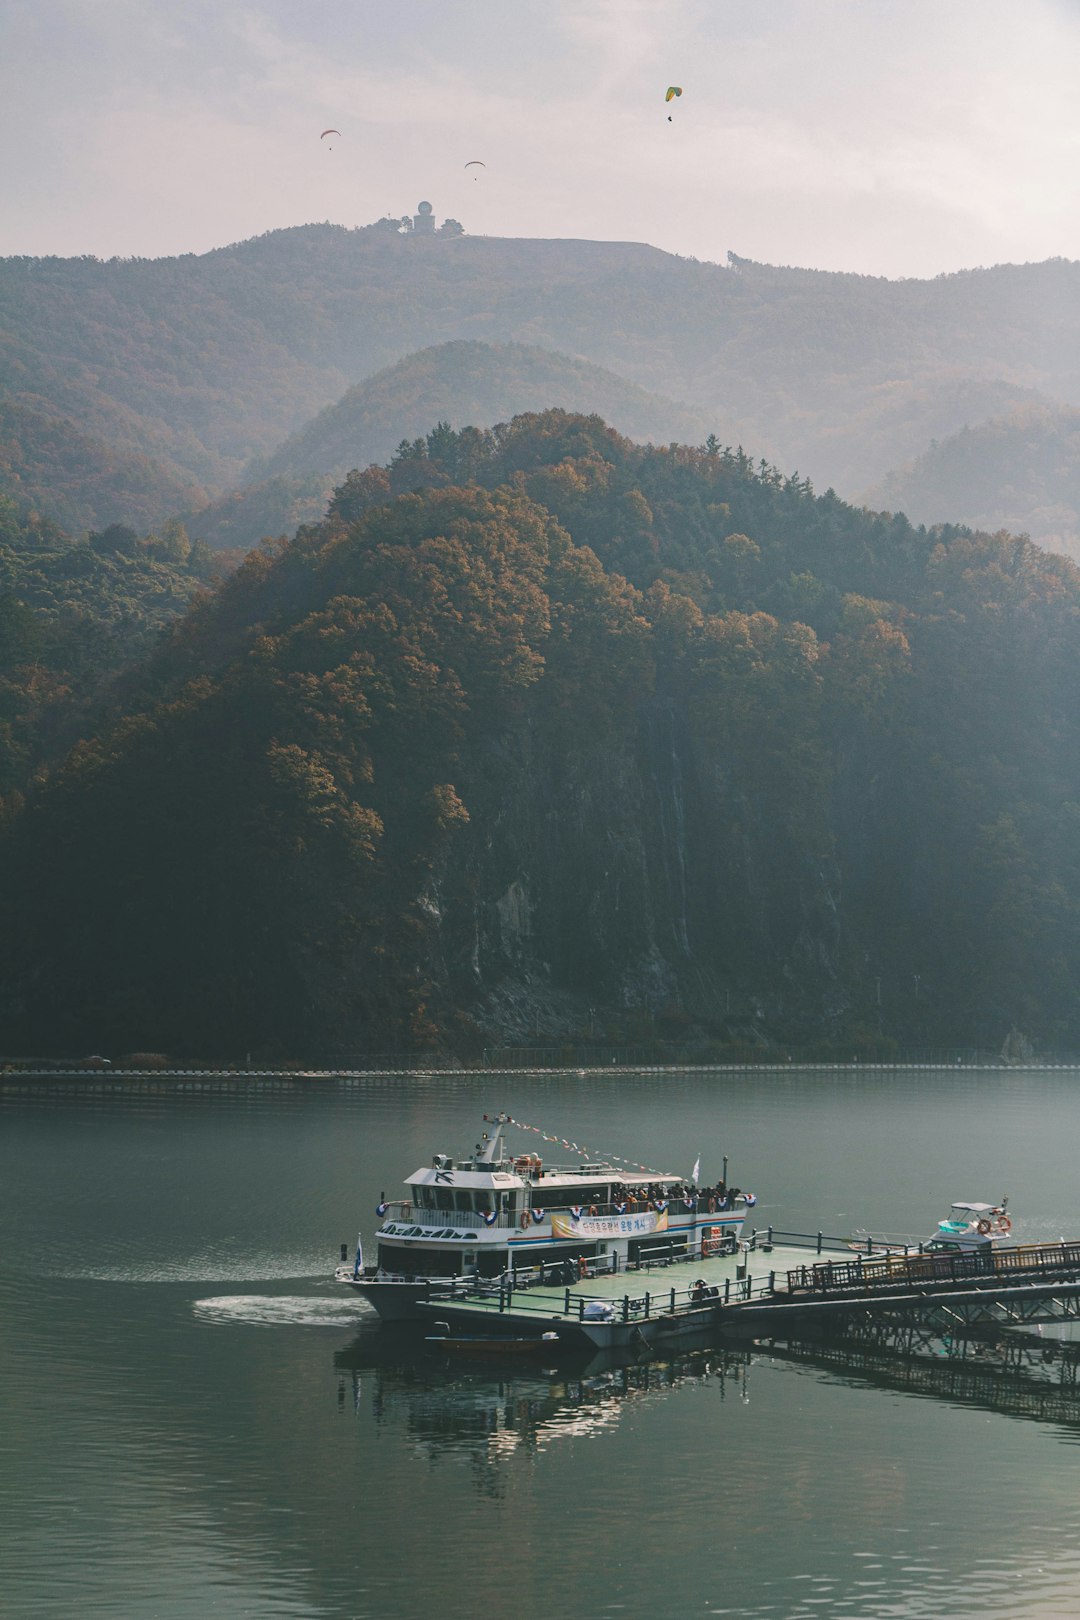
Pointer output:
632, 886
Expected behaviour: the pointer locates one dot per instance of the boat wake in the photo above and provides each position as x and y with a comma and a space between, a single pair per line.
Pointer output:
208, 1268
278, 1310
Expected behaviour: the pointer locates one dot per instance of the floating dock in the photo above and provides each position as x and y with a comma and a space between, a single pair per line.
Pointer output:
652, 1305
773, 1283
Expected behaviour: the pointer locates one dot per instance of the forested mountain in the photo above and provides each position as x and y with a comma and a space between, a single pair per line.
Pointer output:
73, 616
459, 383
201, 363
78, 482
1018, 472
541, 729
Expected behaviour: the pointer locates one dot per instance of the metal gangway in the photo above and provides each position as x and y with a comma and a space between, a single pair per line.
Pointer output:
991, 1287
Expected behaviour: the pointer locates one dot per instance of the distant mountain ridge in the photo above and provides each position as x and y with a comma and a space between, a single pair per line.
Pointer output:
465, 383
1019, 472
79, 481
204, 362
471, 384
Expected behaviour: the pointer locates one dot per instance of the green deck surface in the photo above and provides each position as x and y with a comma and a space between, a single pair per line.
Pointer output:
549, 1302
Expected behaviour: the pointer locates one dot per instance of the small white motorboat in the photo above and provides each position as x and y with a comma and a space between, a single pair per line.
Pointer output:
971, 1227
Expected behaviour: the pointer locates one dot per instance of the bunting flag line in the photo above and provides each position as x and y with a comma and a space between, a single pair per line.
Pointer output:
587, 1152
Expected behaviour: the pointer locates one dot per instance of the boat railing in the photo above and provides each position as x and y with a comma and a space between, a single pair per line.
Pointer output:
400, 1210
871, 1241
822, 1241
445, 1219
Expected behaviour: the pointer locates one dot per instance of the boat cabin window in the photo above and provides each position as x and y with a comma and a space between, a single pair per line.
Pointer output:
566, 1197
417, 1262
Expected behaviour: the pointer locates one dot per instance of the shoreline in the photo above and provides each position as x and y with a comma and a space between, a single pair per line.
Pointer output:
114, 1077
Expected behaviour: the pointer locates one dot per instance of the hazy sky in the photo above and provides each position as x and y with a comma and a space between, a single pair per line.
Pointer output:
898, 137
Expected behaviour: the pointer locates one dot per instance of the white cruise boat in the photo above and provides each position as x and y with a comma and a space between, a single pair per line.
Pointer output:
494, 1213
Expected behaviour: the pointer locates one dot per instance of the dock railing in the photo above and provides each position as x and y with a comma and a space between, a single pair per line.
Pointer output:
642, 1306
890, 1272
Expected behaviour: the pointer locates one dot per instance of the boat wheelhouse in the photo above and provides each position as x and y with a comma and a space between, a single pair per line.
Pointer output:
495, 1213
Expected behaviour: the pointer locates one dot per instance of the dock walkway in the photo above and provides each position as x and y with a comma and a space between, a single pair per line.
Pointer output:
772, 1281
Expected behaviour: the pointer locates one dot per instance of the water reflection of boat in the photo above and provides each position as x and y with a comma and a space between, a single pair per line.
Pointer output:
496, 1214
490, 1410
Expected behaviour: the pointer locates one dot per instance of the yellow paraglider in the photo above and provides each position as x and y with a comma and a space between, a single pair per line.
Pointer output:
673, 90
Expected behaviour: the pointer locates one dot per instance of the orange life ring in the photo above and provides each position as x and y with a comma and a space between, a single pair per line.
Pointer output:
1004, 1223
525, 1219
983, 1228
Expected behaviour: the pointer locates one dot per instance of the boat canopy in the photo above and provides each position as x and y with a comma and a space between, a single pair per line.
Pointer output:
976, 1209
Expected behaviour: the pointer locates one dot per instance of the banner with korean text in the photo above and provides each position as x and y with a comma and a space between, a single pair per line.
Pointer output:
608, 1226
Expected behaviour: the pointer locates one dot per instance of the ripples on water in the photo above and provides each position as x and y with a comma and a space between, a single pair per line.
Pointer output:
159, 1459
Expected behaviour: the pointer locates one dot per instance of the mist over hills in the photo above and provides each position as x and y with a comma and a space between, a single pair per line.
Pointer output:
1018, 472
463, 383
80, 482
534, 719
469, 383
204, 363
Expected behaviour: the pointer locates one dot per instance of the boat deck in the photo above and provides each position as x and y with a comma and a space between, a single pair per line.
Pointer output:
651, 1302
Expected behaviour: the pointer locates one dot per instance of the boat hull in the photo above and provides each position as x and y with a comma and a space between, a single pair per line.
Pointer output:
395, 1301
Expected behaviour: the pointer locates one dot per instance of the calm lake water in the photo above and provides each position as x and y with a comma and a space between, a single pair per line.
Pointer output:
194, 1422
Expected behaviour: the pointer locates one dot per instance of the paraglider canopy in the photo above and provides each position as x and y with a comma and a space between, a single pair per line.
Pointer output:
327, 132
672, 91
475, 163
